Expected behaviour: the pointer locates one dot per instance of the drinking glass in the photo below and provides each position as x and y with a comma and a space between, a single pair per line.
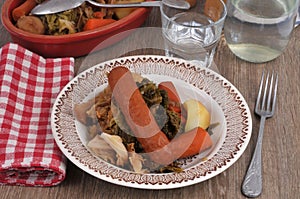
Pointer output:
259, 30
193, 34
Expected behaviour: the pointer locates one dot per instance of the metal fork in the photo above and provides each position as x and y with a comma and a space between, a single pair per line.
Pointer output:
265, 108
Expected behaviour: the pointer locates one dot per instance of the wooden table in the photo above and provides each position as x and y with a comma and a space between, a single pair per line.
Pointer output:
281, 161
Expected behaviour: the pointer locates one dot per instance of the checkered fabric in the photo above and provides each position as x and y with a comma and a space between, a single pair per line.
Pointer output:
29, 85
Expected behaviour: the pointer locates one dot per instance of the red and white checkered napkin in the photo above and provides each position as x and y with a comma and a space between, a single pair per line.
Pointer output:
29, 85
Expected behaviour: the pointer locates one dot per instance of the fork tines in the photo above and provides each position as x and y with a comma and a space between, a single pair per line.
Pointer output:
268, 85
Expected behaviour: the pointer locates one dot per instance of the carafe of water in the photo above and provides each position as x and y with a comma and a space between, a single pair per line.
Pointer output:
259, 30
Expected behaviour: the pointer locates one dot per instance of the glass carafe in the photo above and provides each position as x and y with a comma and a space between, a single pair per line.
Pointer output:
259, 30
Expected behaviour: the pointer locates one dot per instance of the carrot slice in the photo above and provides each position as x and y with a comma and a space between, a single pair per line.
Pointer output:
191, 143
24, 9
96, 23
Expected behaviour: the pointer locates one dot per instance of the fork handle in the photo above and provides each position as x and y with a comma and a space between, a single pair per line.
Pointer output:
252, 185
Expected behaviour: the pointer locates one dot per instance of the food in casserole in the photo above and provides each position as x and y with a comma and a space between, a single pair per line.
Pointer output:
83, 18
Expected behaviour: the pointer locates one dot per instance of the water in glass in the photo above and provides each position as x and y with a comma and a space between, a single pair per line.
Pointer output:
190, 36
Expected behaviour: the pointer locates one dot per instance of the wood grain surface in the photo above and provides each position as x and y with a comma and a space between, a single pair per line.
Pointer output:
281, 143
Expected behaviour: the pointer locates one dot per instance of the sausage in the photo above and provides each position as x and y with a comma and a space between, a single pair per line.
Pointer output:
24, 9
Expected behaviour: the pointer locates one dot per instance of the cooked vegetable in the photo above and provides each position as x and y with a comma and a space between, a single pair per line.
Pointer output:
171, 90
31, 24
174, 106
174, 99
24, 9
67, 22
115, 142
197, 115
136, 160
80, 110
191, 143
150, 92
102, 149
96, 23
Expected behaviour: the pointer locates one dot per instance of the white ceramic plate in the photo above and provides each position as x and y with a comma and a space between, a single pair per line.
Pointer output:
225, 103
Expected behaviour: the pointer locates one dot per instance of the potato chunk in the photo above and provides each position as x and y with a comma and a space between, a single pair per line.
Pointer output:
31, 24
197, 115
